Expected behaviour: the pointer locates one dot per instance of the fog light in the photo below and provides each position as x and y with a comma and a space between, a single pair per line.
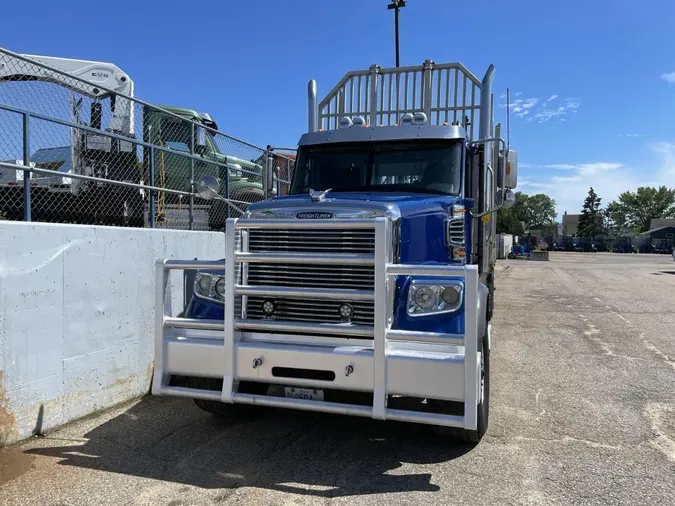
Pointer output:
268, 308
346, 311
205, 284
220, 287
451, 295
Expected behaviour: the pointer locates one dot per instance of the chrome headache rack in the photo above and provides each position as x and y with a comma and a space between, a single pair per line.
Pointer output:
282, 260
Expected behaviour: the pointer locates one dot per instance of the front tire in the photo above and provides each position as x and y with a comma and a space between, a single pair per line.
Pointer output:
222, 409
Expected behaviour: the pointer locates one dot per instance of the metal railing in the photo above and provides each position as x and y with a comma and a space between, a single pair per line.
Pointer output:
445, 92
60, 160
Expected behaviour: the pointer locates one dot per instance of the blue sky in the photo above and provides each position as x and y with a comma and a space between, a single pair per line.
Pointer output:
592, 82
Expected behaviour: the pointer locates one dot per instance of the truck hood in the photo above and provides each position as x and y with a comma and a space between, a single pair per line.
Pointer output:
403, 205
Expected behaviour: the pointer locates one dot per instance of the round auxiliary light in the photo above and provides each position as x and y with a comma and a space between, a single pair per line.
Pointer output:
346, 311
450, 295
220, 287
268, 308
205, 284
424, 297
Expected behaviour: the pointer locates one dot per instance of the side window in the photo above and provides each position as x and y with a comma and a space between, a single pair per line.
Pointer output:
176, 134
670, 235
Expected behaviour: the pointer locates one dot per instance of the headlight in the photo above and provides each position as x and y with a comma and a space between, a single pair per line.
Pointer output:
209, 286
427, 299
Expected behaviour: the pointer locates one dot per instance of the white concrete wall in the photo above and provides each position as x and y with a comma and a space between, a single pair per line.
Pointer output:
77, 317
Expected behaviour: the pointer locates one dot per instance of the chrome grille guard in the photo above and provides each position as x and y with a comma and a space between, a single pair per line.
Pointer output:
422, 364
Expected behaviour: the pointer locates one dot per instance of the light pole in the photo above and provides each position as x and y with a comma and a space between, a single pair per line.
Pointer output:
396, 5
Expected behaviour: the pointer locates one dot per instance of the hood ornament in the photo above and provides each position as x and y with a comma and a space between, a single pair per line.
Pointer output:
318, 195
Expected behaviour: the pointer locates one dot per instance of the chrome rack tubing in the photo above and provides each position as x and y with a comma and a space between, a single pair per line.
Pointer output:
229, 338
162, 307
383, 256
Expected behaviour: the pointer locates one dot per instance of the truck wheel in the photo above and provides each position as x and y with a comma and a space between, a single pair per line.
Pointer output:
474, 436
222, 409
511, 256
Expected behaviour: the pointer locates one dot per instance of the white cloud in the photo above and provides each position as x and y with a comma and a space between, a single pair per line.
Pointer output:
630, 135
522, 106
543, 110
608, 179
668, 77
568, 107
665, 151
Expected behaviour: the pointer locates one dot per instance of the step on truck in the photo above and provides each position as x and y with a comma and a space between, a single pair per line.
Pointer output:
369, 289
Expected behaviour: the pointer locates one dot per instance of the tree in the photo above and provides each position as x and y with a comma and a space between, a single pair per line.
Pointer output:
637, 209
535, 212
591, 219
539, 212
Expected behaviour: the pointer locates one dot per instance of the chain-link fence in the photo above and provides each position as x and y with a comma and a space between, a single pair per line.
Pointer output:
98, 156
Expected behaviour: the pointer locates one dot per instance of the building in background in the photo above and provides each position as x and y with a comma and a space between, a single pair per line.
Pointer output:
660, 223
570, 222
667, 232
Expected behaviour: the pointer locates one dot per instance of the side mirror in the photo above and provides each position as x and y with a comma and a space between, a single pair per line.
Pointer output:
509, 199
208, 187
511, 170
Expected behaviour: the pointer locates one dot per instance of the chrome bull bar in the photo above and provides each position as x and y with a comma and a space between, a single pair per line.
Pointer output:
392, 360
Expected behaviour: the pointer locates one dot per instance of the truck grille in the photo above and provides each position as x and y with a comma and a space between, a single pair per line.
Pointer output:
312, 276
315, 241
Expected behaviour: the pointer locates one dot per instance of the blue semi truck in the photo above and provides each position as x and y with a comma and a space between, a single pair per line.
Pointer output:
369, 289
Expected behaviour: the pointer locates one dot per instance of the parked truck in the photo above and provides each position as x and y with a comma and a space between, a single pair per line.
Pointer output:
178, 138
369, 290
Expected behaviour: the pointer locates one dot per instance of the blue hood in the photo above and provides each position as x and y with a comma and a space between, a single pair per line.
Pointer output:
410, 205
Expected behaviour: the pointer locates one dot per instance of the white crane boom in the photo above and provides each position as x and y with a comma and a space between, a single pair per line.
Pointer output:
89, 76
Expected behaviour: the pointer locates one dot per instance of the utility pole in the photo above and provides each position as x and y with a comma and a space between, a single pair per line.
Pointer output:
396, 5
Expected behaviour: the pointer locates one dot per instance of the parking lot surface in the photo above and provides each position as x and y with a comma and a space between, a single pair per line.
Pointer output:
582, 412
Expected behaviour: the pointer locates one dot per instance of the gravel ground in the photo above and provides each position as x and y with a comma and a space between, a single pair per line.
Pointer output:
582, 412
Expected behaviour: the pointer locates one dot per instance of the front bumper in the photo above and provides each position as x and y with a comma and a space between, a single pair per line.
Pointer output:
421, 365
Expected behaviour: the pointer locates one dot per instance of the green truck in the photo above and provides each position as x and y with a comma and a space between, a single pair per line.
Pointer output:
184, 134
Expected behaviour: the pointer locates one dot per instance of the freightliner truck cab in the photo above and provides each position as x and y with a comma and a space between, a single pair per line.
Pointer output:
368, 291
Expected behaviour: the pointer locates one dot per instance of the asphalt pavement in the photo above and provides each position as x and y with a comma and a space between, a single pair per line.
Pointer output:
582, 412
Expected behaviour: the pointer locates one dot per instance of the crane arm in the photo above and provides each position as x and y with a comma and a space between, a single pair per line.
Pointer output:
92, 79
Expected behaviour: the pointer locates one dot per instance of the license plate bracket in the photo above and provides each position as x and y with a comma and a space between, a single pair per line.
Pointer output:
308, 394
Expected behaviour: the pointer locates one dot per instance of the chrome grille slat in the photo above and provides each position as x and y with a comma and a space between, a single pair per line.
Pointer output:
335, 276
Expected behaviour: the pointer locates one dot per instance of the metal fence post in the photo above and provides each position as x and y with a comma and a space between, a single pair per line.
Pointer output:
26, 172
192, 179
151, 177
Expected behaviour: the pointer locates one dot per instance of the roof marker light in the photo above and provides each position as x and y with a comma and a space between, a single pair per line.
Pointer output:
345, 122
419, 118
359, 121
406, 119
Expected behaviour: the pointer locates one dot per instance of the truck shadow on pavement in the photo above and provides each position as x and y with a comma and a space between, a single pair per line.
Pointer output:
299, 452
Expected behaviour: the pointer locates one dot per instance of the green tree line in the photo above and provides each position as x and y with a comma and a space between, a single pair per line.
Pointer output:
632, 212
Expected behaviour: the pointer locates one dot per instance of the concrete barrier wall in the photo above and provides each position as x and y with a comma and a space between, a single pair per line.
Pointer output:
77, 317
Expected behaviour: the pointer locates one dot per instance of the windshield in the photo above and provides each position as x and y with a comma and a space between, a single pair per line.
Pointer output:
420, 167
